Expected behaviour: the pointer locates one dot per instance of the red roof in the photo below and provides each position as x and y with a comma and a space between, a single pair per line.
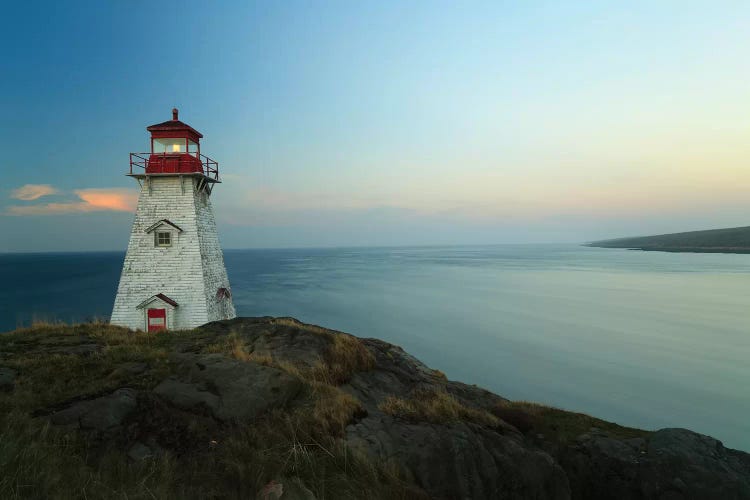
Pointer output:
173, 125
166, 299
159, 296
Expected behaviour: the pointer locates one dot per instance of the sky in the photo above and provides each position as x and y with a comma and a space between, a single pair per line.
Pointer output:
381, 123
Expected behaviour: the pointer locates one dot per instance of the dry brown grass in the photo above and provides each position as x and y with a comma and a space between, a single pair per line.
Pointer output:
333, 410
234, 346
329, 409
300, 326
238, 351
346, 355
436, 407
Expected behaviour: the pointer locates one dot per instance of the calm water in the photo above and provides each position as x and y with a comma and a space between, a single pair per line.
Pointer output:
642, 338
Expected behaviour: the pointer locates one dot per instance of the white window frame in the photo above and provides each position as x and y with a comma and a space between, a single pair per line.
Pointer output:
158, 243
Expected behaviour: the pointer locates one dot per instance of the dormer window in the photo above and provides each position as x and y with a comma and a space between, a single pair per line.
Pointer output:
164, 232
163, 238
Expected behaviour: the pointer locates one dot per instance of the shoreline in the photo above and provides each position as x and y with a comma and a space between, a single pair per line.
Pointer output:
724, 250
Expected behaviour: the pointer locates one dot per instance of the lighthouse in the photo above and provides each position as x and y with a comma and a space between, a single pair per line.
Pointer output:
173, 276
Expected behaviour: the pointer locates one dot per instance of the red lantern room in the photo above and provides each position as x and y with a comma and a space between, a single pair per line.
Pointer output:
175, 149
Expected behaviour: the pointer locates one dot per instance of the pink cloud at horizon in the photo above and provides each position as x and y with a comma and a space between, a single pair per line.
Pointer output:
118, 200
92, 200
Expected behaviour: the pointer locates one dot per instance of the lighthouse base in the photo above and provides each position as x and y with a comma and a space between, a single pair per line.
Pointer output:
173, 276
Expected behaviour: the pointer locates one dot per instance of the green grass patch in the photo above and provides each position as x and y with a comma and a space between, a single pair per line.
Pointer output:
558, 426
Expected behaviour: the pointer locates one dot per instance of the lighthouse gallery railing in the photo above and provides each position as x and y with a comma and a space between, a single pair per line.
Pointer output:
139, 161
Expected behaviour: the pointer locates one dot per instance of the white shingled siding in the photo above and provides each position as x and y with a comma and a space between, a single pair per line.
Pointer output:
189, 272
214, 271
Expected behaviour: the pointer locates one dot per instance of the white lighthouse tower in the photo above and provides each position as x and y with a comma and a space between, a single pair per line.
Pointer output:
174, 275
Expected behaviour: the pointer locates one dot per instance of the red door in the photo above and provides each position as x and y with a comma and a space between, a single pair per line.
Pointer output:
157, 319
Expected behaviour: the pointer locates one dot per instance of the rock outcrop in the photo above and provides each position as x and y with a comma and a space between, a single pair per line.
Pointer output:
7, 378
231, 390
670, 463
440, 438
103, 414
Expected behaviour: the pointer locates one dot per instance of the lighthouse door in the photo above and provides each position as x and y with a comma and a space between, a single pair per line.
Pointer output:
157, 319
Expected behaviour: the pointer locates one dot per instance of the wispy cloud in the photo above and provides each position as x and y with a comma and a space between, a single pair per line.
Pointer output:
118, 200
31, 192
90, 200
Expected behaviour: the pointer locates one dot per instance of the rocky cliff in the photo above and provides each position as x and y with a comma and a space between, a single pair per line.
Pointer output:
274, 408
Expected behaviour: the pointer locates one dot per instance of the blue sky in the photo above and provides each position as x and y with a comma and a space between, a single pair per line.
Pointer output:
381, 123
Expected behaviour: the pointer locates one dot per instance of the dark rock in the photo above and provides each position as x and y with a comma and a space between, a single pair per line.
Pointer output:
461, 460
130, 369
133, 368
7, 378
671, 463
102, 414
139, 452
229, 389
396, 373
285, 338
187, 395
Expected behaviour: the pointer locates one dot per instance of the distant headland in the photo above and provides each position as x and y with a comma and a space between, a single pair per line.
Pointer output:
729, 240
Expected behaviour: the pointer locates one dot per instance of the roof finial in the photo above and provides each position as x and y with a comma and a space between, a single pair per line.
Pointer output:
174, 114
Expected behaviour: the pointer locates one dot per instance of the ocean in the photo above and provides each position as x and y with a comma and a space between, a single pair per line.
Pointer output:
645, 339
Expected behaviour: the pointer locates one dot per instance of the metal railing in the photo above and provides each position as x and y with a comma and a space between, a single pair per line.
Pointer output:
140, 161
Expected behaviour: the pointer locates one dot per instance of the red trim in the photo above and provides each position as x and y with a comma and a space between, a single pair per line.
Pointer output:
174, 163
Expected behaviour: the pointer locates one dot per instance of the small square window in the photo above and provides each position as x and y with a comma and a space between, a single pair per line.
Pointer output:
164, 239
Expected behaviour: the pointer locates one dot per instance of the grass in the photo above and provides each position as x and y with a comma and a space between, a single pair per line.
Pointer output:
331, 409
346, 356
40, 461
437, 407
281, 446
48, 375
558, 426
57, 363
235, 347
